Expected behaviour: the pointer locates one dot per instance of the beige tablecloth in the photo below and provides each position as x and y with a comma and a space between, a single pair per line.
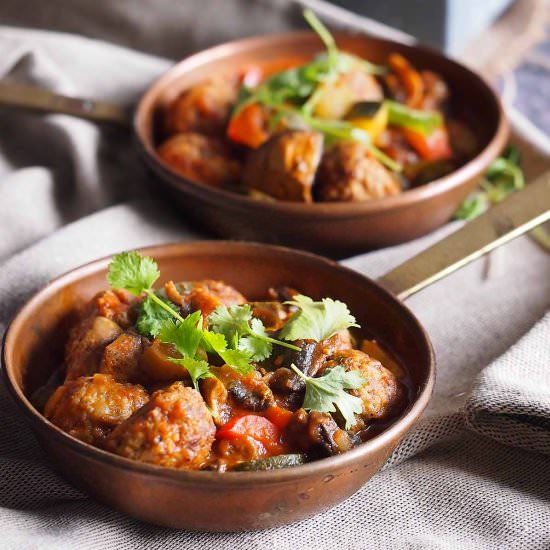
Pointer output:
475, 472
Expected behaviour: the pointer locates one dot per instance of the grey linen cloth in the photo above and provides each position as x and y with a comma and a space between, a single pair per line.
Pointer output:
475, 471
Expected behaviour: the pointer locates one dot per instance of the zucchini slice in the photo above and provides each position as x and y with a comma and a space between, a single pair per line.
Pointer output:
271, 463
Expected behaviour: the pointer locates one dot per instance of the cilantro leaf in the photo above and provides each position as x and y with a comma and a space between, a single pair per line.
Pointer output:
242, 332
132, 272
185, 336
231, 321
317, 320
255, 343
327, 393
213, 342
238, 359
152, 316
197, 369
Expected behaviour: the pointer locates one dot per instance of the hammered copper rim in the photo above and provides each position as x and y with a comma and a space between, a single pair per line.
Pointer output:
333, 210
318, 467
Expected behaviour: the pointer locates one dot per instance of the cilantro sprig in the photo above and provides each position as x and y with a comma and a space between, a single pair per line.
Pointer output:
317, 320
503, 177
137, 274
243, 332
327, 393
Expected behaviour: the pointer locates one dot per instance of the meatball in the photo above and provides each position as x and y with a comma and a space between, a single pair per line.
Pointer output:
284, 167
121, 358
382, 394
89, 408
317, 433
174, 429
205, 295
204, 108
349, 172
201, 159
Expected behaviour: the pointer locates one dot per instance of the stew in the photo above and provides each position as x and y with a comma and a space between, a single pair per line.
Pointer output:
193, 375
337, 128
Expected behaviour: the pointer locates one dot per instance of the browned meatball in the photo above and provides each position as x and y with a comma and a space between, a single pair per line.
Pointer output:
174, 429
382, 394
204, 108
349, 172
284, 167
200, 158
121, 358
88, 408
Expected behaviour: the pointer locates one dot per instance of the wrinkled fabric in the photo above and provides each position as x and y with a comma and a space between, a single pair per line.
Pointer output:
474, 472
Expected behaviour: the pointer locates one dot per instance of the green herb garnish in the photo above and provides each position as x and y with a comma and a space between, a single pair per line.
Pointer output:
420, 121
243, 332
328, 392
137, 274
185, 336
317, 320
503, 177
151, 316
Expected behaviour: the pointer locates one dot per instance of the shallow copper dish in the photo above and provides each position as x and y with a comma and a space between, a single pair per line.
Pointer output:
233, 501
337, 229
211, 501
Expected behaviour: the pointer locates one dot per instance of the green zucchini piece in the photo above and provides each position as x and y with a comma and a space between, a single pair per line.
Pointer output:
271, 463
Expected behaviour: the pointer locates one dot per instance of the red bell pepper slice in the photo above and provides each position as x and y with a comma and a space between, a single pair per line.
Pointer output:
248, 126
279, 416
257, 427
434, 146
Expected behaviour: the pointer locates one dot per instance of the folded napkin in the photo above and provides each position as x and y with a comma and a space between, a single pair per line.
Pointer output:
475, 471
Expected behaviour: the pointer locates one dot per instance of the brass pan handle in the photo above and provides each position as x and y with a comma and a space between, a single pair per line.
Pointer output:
516, 215
23, 96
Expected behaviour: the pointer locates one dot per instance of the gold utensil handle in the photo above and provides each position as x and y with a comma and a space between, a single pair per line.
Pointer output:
516, 215
23, 96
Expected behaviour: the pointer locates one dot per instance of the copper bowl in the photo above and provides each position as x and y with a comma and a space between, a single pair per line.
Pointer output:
212, 501
336, 229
